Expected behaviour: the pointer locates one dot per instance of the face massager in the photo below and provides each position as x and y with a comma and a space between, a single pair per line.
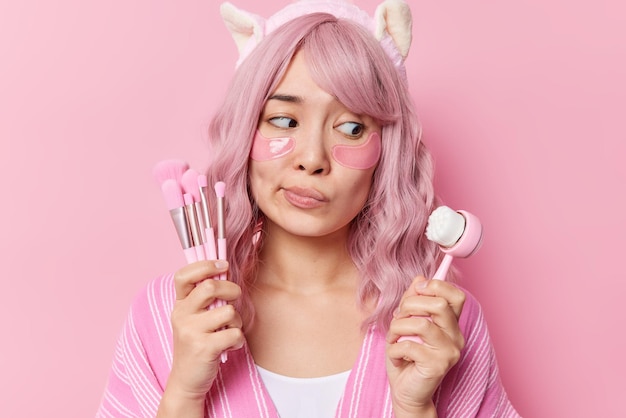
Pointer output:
458, 233
358, 157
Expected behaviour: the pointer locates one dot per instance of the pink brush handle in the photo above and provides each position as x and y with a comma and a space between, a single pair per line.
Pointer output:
221, 253
190, 255
209, 246
211, 254
200, 252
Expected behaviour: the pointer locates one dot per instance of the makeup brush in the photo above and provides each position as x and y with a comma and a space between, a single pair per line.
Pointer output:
220, 188
220, 191
169, 169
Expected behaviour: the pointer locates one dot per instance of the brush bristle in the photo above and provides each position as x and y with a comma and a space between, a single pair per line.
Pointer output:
220, 189
445, 226
202, 181
172, 194
188, 198
190, 183
169, 169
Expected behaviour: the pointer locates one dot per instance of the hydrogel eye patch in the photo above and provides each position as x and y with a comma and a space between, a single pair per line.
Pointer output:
265, 149
358, 157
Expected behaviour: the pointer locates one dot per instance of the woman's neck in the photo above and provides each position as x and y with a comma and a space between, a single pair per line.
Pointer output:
305, 264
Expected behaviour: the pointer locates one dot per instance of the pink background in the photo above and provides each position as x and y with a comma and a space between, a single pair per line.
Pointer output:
522, 105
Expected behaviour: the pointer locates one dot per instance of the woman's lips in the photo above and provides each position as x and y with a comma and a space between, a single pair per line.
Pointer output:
304, 198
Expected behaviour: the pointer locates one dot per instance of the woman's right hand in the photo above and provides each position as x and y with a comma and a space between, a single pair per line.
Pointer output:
201, 334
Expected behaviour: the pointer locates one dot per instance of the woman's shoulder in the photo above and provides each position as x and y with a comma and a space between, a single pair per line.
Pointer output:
155, 299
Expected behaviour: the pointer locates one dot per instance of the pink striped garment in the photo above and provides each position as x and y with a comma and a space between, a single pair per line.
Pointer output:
143, 358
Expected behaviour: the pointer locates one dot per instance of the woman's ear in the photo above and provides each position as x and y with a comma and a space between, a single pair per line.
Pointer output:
242, 25
394, 17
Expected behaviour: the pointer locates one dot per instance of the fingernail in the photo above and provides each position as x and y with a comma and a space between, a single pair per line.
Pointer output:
396, 312
221, 264
421, 285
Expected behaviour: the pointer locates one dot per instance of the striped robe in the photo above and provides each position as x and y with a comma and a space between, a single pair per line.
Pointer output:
143, 359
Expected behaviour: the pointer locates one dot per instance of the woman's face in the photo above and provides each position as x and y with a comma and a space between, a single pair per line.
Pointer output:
312, 162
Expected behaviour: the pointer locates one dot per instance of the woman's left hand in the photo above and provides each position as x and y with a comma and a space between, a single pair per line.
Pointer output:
430, 310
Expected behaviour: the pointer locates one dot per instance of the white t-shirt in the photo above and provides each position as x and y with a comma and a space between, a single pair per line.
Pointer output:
293, 397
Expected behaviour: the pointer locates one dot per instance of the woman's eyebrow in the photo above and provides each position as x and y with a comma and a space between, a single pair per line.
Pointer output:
286, 98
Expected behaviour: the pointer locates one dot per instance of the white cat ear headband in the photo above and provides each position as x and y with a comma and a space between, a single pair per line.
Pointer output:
391, 24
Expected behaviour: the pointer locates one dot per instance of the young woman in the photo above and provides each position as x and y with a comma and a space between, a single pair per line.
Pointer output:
330, 190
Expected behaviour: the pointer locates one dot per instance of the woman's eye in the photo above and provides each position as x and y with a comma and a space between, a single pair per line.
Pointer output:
351, 129
283, 122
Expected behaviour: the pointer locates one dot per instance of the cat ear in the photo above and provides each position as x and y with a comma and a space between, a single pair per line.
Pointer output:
242, 25
394, 17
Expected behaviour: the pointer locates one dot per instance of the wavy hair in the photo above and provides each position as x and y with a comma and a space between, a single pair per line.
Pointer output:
386, 240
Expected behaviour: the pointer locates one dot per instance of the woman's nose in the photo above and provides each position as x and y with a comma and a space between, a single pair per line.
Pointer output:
310, 153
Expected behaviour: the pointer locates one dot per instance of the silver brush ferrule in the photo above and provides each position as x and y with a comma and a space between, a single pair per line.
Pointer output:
200, 220
204, 201
182, 226
194, 228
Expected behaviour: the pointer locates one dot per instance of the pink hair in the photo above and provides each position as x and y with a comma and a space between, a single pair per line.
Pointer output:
386, 241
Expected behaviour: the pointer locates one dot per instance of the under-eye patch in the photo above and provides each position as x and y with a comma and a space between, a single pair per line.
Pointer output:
359, 157
265, 149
